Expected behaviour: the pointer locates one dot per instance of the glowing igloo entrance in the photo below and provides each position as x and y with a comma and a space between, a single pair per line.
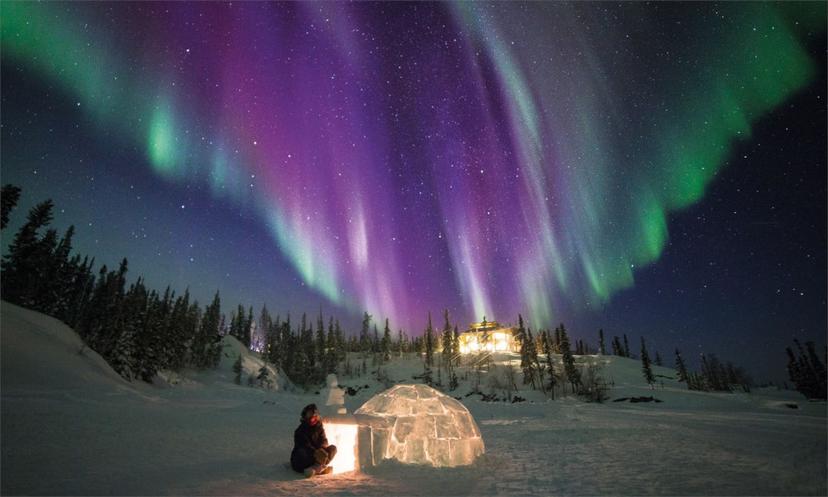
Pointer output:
416, 424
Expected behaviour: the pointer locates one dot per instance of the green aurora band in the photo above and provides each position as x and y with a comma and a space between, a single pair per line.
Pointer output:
573, 132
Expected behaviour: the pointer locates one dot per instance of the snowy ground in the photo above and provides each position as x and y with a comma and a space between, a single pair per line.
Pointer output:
70, 426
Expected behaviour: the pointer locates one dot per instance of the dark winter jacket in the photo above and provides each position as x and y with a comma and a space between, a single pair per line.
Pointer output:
306, 439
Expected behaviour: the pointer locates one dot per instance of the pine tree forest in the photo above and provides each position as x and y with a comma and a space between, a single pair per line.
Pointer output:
141, 331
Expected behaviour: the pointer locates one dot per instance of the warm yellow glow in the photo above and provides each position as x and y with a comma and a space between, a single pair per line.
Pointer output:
500, 340
416, 424
344, 436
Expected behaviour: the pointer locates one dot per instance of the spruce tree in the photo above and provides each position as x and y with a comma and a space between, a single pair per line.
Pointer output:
148, 340
320, 346
626, 347
56, 275
537, 380
205, 351
447, 339
386, 342
263, 329
527, 354
573, 375
364, 338
9, 196
178, 332
237, 323
340, 342
125, 362
794, 372
303, 369
104, 326
287, 349
237, 368
546, 341
83, 282
806, 371
819, 369
708, 374
193, 323
453, 381
601, 342
455, 344
646, 368
519, 334
556, 342
330, 349
248, 328
160, 333
681, 368
20, 265
126, 354
429, 343
263, 377
37, 285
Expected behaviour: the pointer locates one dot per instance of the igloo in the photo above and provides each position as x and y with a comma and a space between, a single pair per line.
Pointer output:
416, 424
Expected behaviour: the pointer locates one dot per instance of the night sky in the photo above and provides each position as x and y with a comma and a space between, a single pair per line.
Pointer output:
650, 169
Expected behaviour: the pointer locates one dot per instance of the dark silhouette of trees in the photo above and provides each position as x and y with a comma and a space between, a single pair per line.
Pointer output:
806, 371
646, 367
9, 196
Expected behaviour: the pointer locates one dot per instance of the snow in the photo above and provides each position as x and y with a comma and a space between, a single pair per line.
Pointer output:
333, 397
71, 426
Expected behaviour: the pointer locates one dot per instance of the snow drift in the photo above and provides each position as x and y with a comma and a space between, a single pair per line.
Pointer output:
40, 352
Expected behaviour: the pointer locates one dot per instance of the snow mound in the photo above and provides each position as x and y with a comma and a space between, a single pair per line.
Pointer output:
416, 424
231, 349
40, 353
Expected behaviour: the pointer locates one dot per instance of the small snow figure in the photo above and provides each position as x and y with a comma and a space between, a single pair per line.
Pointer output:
334, 397
311, 453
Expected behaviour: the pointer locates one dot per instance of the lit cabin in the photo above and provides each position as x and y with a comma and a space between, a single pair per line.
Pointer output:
488, 335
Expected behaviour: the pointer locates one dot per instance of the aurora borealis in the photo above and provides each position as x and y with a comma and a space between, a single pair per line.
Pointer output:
404, 158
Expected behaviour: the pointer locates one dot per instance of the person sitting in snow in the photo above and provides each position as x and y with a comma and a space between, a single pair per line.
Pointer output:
311, 453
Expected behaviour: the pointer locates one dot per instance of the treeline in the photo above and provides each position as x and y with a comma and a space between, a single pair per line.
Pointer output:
714, 376
806, 371
585, 379
540, 367
306, 354
138, 331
